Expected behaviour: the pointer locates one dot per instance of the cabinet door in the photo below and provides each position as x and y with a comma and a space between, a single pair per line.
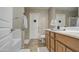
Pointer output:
68, 50
60, 47
49, 44
47, 39
52, 45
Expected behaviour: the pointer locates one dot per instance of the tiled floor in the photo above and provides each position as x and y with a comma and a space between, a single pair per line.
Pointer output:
42, 49
33, 45
24, 50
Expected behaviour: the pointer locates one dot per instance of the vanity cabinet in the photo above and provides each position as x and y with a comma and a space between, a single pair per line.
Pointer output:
57, 42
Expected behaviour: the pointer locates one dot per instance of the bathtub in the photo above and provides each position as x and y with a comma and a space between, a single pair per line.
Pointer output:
11, 42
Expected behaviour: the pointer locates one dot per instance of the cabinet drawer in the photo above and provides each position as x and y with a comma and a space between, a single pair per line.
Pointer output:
68, 41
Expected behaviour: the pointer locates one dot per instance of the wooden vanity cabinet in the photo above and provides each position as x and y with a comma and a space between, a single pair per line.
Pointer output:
57, 42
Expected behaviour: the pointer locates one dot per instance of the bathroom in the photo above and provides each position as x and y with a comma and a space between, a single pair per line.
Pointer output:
28, 26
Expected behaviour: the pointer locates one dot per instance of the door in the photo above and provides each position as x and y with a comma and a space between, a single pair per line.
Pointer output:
52, 45
47, 40
34, 17
60, 47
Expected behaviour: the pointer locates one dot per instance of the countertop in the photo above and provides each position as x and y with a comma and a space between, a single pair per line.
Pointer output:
74, 34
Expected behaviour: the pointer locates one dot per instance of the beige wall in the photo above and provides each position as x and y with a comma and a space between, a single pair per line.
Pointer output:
51, 15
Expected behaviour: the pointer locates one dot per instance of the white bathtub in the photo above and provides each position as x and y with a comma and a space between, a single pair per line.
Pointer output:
11, 42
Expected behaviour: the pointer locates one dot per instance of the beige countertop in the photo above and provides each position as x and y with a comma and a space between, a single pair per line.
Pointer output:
74, 34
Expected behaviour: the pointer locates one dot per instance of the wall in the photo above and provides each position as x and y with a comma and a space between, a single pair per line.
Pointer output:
17, 17
43, 21
51, 15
